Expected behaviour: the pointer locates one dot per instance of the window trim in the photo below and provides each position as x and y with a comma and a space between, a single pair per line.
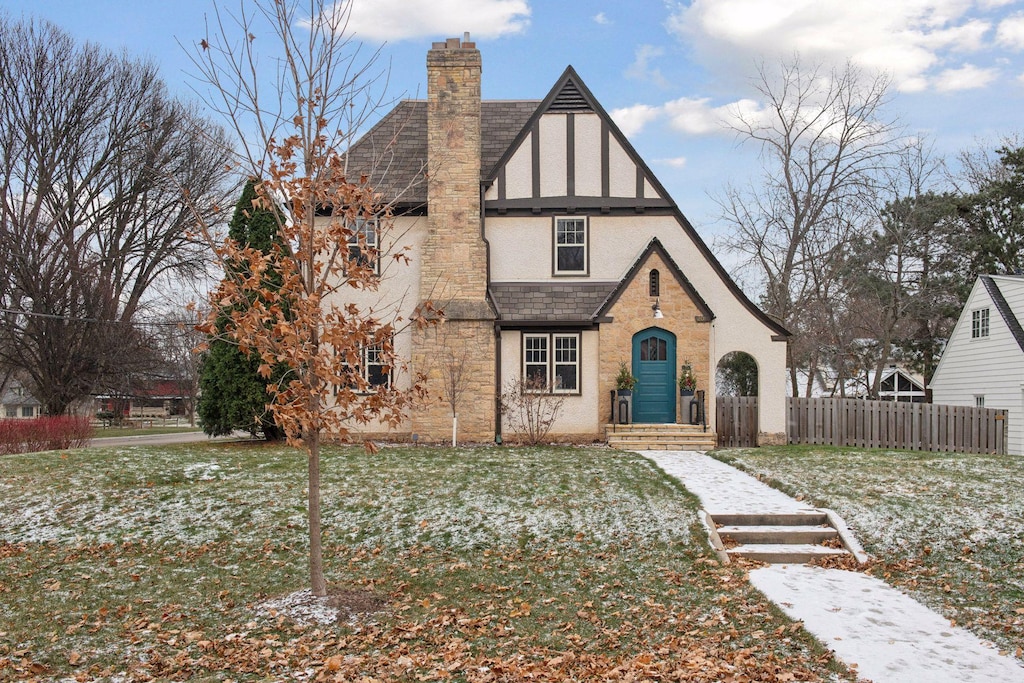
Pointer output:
556, 222
550, 362
364, 366
980, 323
654, 283
353, 241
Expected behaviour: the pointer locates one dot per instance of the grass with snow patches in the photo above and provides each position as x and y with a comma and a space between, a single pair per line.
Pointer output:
947, 527
152, 562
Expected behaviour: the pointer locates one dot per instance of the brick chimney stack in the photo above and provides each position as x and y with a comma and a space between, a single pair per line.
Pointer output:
453, 267
455, 254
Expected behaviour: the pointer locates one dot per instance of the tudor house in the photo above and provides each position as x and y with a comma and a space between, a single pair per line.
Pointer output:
554, 252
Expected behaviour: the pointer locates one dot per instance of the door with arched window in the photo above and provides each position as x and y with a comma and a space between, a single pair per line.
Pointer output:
654, 364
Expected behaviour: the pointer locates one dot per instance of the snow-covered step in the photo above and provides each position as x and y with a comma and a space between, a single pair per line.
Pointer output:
776, 538
777, 534
773, 553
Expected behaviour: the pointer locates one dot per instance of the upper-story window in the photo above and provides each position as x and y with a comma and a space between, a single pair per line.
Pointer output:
363, 245
655, 285
979, 323
571, 256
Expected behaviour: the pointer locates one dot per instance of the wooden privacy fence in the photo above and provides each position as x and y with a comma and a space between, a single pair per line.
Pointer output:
869, 424
887, 424
736, 421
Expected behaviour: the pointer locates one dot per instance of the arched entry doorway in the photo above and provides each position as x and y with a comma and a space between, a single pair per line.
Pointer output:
654, 364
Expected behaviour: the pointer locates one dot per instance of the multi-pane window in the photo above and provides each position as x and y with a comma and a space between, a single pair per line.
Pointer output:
28, 411
653, 349
979, 401
551, 362
363, 245
979, 323
570, 245
535, 361
12, 411
567, 362
376, 370
373, 369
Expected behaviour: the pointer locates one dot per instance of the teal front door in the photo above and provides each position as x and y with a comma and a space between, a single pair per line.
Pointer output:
654, 364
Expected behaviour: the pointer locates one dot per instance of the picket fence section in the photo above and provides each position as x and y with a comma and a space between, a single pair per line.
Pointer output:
888, 424
869, 424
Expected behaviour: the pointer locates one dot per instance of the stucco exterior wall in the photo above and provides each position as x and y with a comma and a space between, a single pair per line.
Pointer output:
577, 417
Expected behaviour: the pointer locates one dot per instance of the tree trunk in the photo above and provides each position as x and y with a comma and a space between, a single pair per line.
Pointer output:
316, 551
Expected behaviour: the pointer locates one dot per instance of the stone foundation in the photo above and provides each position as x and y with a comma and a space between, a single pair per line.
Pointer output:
772, 439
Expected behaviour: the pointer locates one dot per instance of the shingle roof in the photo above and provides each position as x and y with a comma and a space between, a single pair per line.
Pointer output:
394, 152
550, 302
1004, 309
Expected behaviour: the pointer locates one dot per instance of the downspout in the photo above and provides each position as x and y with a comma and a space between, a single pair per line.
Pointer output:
497, 321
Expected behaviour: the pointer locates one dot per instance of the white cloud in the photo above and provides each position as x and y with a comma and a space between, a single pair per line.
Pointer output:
965, 78
697, 117
641, 69
910, 40
1010, 33
381, 20
600, 18
675, 162
631, 120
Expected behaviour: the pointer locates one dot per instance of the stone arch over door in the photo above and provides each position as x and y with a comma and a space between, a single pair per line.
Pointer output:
654, 364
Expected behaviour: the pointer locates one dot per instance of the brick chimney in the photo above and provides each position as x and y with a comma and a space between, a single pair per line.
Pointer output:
454, 254
453, 268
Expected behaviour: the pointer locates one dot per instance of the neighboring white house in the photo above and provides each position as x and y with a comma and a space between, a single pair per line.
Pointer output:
18, 402
983, 364
555, 253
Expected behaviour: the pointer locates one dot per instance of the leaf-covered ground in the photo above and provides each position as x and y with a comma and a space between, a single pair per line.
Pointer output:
488, 564
947, 527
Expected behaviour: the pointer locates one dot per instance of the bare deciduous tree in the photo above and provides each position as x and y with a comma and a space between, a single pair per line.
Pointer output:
323, 321
824, 142
530, 408
89, 219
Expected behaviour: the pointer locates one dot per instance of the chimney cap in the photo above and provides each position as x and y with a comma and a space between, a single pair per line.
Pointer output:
455, 44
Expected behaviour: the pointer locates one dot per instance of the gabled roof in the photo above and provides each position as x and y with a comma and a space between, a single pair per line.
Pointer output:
1007, 313
394, 152
655, 247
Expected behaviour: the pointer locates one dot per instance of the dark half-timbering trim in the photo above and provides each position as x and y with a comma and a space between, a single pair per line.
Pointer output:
535, 162
581, 204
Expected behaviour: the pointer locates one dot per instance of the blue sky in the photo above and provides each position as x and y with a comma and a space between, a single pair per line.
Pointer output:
666, 70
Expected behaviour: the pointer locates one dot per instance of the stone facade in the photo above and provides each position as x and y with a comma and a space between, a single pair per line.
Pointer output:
454, 257
633, 313
772, 439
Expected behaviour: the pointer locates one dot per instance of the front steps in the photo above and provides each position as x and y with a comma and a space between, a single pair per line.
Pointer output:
789, 538
660, 437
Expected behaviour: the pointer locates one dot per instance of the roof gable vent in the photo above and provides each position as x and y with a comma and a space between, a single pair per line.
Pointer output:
570, 99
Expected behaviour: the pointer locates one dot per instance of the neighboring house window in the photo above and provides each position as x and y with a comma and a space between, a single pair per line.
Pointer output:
28, 411
551, 362
570, 246
979, 323
655, 289
363, 245
12, 411
979, 401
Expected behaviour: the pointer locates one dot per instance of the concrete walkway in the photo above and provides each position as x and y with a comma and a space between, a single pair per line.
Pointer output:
877, 630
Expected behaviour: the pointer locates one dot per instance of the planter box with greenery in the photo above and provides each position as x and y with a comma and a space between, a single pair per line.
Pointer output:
624, 381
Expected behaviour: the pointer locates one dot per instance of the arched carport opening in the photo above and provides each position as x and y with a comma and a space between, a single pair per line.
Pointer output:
736, 375
736, 402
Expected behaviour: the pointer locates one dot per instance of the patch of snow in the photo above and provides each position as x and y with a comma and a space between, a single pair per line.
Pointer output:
301, 607
888, 635
203, 471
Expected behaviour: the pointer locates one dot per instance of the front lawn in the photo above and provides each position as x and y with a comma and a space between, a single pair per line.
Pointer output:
947, 527
486, 564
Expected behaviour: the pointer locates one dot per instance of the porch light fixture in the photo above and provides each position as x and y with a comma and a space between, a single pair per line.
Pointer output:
657, 309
